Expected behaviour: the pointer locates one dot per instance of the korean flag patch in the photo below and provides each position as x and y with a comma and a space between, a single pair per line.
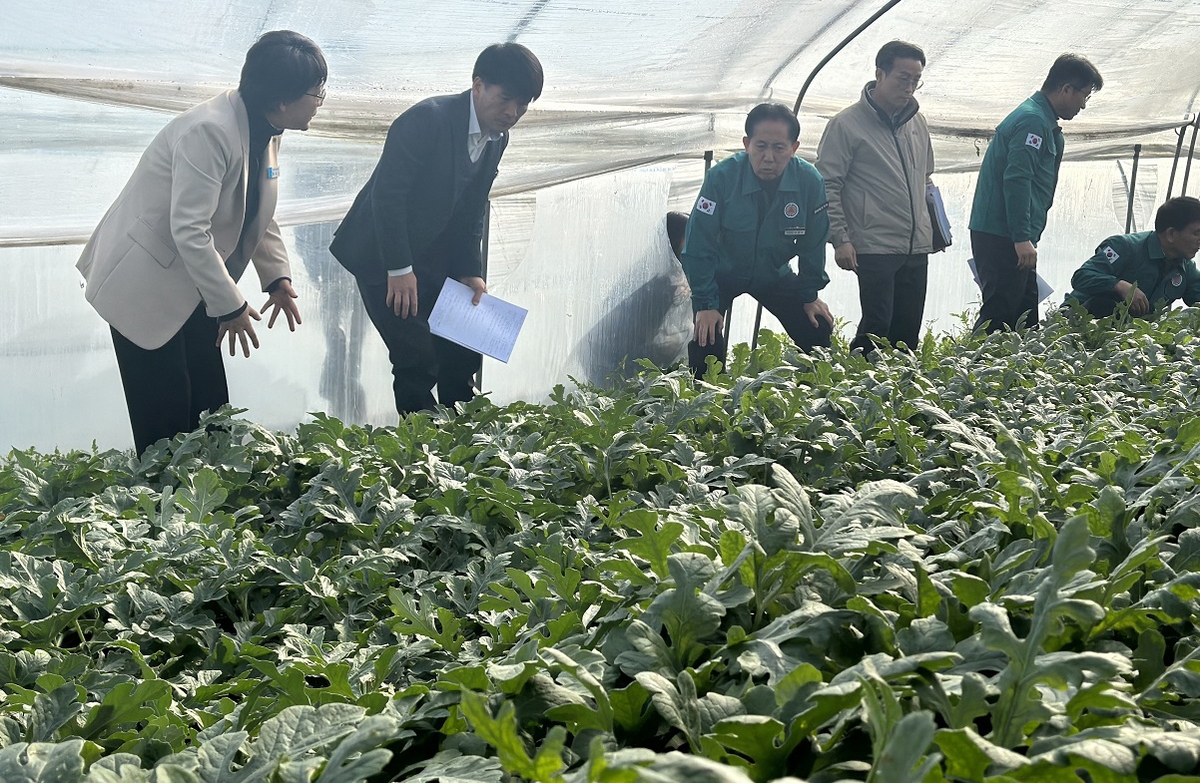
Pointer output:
707, 206
1110, 254
1033, 140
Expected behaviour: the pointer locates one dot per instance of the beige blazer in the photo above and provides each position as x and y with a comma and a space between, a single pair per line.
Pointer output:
170, 240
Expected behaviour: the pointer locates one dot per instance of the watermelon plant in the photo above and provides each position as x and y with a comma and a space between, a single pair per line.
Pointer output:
975, 563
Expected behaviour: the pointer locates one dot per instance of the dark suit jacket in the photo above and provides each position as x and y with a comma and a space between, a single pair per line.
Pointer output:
413, 210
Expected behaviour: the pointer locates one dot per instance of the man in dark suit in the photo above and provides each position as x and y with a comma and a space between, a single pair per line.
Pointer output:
419, 220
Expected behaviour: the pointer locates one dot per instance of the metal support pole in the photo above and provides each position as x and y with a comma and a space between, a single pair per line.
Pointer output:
1187, 170
1137, 153
1175, 163
807, 82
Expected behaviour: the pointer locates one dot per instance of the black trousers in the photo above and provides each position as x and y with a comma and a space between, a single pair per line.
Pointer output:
891, 290
420, 360
167, 389
1008, 292
784, 300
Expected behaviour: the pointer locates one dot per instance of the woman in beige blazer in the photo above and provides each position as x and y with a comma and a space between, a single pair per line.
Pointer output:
162, 266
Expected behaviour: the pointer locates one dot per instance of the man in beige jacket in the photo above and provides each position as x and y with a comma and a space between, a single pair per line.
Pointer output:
162, 266
876, 158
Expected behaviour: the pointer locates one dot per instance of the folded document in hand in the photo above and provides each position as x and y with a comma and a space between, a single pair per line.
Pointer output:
490, 328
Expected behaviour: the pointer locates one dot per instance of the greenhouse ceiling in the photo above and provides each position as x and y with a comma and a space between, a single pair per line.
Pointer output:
627, 82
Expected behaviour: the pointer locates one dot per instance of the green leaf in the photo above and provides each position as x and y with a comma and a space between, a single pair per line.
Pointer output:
42, 762
753, 507
655, 540
217, 758
670, 768
928, 598
692, 618
629, 706
1098, 756
972, 701
996, 631
925, 634
971, 757
678, 706
1148, 658
1071, 551
203, 495
789, 495
450, 766
359, 756
424, 618
51, 711
901, 760
301, 729
759, 739
970, 589
650, 651
126, 704
501, 733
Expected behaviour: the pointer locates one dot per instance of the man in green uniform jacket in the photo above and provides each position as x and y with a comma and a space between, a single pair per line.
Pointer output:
1016, 188
757, 210
1150, 269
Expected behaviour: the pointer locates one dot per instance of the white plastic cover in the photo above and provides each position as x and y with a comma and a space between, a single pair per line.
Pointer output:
639, 87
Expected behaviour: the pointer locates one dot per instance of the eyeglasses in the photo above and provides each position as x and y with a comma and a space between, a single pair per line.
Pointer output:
1088, 92
320, 96
907, 81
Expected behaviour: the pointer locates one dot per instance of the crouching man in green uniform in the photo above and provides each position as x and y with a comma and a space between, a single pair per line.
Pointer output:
1150, 269
757, 211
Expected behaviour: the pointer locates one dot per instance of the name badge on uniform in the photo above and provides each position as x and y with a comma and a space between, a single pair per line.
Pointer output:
794, 232
272, 172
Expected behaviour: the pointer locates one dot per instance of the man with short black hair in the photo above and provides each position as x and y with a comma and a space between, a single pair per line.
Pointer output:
876, 157
163, 264
419, 220
1016, 188
1150, 269
757, 210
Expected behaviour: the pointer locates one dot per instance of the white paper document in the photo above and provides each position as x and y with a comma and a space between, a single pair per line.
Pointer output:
490, 328
1044, 289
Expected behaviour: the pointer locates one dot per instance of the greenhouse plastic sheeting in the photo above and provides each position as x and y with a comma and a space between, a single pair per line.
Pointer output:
635, 93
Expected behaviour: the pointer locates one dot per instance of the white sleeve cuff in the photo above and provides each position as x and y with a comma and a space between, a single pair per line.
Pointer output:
400, 272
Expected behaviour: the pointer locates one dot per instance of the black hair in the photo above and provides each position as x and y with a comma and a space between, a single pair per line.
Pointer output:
676, 228
1177, 213
513, 67
1075, 70
772, 112
897, 50
281, 67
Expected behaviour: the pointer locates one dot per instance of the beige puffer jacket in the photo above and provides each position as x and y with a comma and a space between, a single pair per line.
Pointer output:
875, 172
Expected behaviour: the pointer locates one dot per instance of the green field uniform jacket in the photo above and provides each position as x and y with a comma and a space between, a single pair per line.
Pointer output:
725, 237
1137, 258
1019, 173
876, 168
